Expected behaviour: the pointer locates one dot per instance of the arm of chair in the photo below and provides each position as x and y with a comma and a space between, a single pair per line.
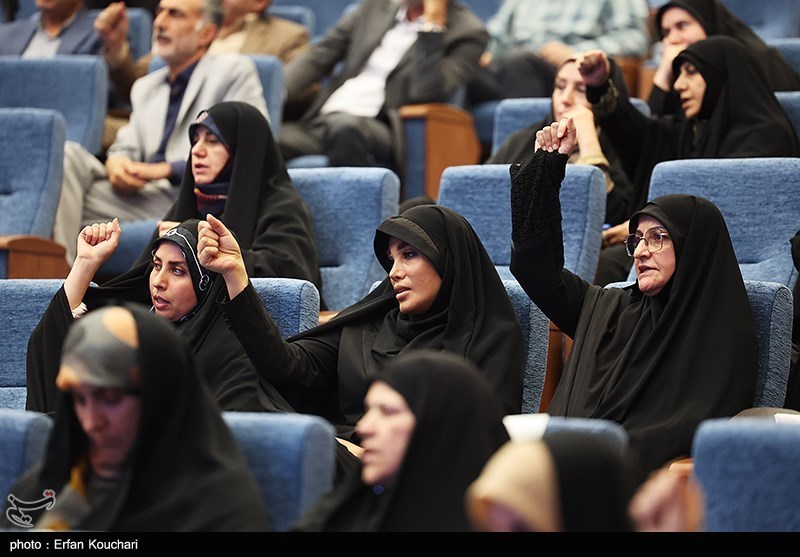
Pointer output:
437, 135
34, 257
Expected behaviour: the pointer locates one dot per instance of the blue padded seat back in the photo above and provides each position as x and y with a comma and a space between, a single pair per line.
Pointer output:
347, 205
481, 193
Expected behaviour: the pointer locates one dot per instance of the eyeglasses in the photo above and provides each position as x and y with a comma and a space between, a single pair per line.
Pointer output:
653, 240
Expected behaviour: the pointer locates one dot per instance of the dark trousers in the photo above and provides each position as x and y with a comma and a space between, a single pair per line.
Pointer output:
520, 74
346, 140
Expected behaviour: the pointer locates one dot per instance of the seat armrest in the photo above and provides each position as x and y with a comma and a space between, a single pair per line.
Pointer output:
448, 138
34, 257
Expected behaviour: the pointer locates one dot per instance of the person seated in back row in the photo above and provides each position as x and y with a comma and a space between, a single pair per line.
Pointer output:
146, 161
391, 53
729, 112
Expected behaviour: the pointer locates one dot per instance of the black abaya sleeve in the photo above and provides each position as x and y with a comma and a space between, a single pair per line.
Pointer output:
537, 254
308, 362
44, 354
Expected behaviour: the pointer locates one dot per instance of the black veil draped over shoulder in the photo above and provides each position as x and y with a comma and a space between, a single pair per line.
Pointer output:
271, 221
660, 365
740, 117
458, 427
472, 315
185, 472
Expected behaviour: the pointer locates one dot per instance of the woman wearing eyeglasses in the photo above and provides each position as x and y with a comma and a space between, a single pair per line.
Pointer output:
660, 356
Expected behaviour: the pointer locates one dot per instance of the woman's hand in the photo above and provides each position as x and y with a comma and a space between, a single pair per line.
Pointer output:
615, 234
218, 251
96, 243
559, 136
164, 225
594, 67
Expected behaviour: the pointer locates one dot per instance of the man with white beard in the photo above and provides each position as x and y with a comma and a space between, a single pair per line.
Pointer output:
145, 163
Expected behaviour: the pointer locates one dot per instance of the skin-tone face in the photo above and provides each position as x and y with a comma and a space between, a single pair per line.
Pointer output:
209, 156
110, 419
235, 9
414, 278
59, 8
691, 86
680, 27
180, 36
653, 270
569, 90
171, 289
385, 430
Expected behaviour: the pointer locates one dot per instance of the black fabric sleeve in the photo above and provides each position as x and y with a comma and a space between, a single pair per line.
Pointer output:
537, 255
535, 186
44, 355
307, 362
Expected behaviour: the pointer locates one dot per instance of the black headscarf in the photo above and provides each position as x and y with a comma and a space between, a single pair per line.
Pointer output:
717, 19
185, 471
592, 483
660, 365
573, 476
472, 315
744, 117
228, 371
271, 221
740, 117
458, 427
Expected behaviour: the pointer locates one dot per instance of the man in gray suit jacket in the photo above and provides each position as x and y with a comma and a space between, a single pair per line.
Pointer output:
391, 53
145, 163
60, 27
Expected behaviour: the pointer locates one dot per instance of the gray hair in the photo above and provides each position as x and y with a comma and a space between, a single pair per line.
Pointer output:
212, 12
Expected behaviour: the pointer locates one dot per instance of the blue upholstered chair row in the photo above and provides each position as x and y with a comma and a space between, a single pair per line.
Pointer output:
770, 20
31, 166
747, 468
535, 327
789, 47
43, 82
293, 304
760, 230
347, 205
290, 455
23, 302
481, 193
772, 306
23, 438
